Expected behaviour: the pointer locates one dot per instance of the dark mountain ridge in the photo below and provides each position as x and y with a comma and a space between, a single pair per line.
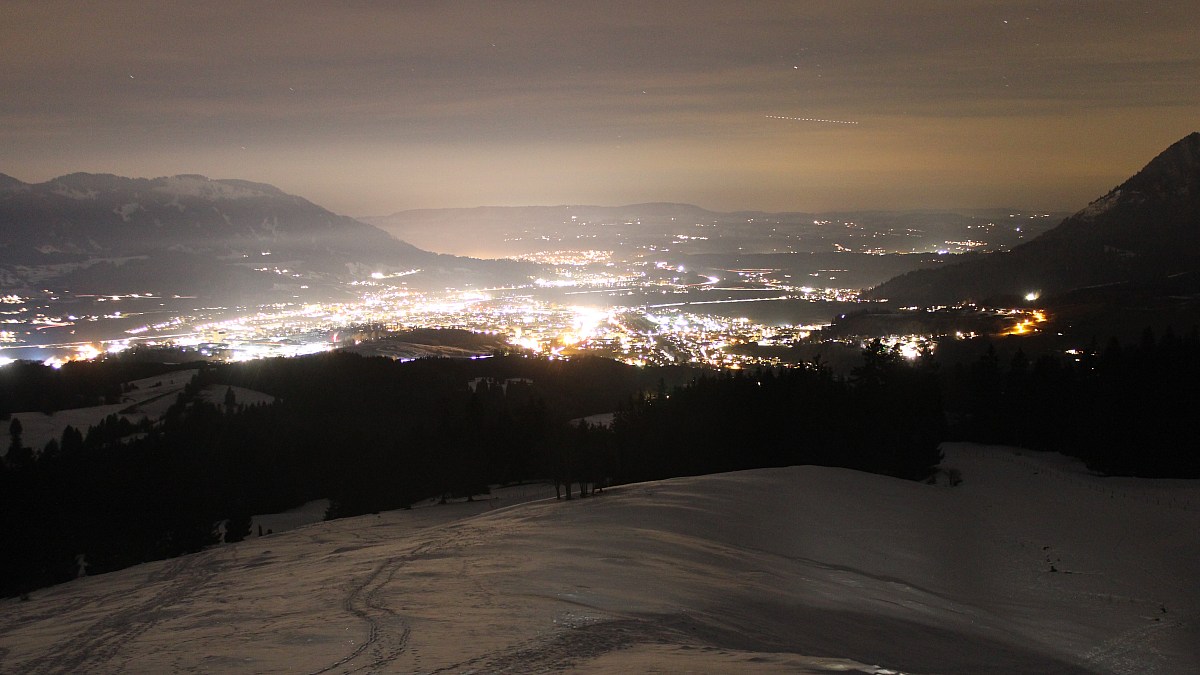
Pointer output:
189, 234
1142, 231
111, 216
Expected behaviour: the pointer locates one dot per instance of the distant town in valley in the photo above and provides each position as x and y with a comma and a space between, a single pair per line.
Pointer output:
652, 284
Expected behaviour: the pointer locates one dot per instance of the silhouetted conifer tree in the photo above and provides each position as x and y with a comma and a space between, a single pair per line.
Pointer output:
19, 456
237, 527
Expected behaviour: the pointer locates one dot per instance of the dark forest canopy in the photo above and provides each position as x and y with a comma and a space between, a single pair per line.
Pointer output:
1126, 409
373, 434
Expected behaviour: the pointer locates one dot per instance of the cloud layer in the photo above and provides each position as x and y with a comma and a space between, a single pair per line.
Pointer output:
369, 107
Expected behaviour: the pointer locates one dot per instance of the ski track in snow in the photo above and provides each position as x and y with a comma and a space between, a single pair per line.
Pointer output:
363, 602
101, 643
562, 651
387, 632
20, 619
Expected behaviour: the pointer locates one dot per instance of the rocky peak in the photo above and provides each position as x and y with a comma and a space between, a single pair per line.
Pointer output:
1172, 176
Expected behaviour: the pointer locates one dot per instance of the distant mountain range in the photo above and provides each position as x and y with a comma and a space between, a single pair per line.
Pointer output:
1141, 237
190, 234
494, 231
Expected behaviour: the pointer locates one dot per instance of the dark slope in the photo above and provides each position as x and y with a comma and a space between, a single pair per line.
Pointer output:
102, 215
191, 235
1145, 230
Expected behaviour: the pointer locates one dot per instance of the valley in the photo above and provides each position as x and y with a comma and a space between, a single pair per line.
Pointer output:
278, 276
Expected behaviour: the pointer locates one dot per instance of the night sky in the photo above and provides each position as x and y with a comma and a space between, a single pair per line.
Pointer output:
373, 107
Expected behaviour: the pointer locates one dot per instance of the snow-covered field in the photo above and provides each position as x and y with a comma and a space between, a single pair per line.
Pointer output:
1029, 566
150, 398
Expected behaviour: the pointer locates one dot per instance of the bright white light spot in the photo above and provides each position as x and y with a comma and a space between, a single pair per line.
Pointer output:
1032, 295
528, 343
87, 352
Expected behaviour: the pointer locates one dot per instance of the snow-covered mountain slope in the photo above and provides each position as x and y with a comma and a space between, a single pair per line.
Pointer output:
1026, 566
148, 398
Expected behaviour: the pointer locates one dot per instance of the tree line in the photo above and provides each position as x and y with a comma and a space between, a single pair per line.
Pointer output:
1124, 409
29, 386
372, 434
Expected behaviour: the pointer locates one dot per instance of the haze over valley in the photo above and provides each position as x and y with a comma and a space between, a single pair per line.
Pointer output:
101, 263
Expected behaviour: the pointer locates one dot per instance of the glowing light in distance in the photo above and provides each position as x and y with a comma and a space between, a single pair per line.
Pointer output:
86, 352
587, 321
528, 343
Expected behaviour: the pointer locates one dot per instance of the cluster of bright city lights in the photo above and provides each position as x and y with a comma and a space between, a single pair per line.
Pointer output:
537, 317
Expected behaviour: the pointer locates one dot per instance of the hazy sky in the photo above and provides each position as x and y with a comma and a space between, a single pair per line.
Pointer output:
373, 107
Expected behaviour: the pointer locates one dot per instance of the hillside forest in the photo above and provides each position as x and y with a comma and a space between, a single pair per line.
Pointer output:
372, 434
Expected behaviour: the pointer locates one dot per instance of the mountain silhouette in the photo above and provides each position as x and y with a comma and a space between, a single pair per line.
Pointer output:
232, 240
103, 215
1143, 232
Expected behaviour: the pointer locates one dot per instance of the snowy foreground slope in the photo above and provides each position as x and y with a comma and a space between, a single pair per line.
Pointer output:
803, 569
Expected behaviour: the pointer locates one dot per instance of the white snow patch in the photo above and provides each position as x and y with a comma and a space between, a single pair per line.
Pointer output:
198, 186
126, 210
72, 193
598, 420
148, 398
1100, 206
275, 523
38, 428
268, 228
177, 204
215, 393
